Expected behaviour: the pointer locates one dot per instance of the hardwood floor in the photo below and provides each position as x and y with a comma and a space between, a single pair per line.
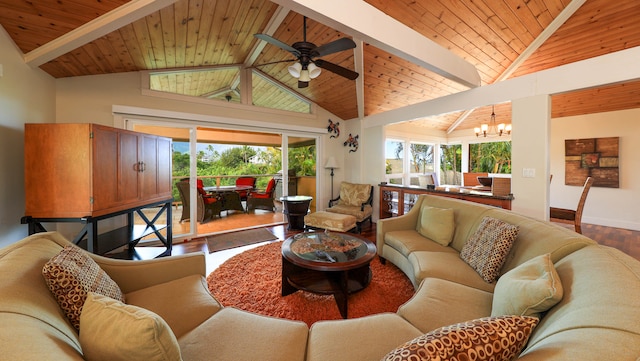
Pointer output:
625, 240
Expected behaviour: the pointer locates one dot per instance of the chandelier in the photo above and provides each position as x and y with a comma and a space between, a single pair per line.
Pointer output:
491, 129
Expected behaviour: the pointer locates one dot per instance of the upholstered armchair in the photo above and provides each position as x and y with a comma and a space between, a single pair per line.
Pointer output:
245, 181
208, 207
355, 200
262, 199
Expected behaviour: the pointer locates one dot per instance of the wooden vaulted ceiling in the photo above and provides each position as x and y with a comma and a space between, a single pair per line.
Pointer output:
191, 36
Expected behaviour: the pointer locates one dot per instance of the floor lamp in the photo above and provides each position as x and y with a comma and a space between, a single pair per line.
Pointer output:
331, 164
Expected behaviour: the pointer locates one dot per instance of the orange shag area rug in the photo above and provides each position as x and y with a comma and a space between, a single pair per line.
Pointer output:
252, 281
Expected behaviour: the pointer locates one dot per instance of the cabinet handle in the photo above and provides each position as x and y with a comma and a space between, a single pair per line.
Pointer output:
142, 167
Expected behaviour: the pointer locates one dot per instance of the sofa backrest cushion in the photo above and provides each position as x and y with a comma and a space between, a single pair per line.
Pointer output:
28, 310
528, 290
352, 194
71, 275
534, 239
467, 216
599, 310
112, 330
437, 224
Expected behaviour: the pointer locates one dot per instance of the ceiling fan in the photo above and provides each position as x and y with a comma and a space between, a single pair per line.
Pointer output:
308, 65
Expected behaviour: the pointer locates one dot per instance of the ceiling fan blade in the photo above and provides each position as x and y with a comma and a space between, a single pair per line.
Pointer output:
302, 84
333, 47
337, 69
278, 43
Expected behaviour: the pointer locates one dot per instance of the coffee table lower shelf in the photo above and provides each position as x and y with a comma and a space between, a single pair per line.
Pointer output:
339, 283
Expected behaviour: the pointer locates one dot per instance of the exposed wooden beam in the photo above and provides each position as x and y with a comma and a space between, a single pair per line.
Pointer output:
611, 68
544, 35
358, 57
380, 30
101, 26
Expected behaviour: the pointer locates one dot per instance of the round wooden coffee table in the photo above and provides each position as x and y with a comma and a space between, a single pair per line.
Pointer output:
327, 263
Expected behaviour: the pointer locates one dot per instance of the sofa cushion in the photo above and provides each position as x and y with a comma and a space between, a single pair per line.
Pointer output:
364, 338
528, 290
488, 247
236, 335
167, 300
489, 338
438, 303
408, 241
437, 224
447, 266
71, 275
352, 194
112, 331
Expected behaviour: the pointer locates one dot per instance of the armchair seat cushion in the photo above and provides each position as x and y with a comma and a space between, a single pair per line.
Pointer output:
352, 211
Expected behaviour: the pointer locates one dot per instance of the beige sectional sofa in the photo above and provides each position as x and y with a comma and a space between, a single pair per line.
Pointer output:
598, 317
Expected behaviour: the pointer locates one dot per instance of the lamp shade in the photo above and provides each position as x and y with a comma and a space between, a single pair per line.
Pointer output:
314, 71
331, 163
295, 70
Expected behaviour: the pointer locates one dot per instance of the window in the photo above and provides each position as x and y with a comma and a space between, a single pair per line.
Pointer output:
421, 161
494, 157
394, 161
451, 164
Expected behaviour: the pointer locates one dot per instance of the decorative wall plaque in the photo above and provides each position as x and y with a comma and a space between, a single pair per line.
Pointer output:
594, 157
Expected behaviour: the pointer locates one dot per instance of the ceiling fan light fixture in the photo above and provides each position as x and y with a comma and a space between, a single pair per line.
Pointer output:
304, 75
295, 70
314, 71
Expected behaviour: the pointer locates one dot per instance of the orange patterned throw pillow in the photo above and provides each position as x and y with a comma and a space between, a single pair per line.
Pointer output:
71, 275
489, 338
488, 247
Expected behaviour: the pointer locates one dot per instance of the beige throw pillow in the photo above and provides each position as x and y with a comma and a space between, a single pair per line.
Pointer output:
437, 224
489, 338
71, 275
529, 289
111, 331
488, 247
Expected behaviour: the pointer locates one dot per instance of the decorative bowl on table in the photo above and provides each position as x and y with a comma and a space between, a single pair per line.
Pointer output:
485, 181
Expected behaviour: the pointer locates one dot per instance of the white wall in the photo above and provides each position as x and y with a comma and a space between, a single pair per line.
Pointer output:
26, 96
614, 207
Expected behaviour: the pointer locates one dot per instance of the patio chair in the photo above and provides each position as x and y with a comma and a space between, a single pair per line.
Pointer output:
245, 181
569, 215
355, 200
264, 199
208, 206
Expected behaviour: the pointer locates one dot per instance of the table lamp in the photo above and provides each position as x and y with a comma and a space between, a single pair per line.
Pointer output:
331, 164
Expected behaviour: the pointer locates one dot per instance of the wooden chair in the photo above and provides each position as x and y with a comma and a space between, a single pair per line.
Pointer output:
569, 215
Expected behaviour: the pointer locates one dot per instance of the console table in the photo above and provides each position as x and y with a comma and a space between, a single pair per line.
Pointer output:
396, 200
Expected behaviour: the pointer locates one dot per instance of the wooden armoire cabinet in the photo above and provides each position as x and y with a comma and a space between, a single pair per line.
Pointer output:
88, 172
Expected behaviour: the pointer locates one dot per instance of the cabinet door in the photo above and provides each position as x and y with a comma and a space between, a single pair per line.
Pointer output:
105, 168
128, 168
156, 163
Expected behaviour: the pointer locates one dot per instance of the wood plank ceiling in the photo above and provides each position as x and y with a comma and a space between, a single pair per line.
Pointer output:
207, 42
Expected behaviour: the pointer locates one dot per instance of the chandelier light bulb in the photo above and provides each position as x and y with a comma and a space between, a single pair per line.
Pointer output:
304, 75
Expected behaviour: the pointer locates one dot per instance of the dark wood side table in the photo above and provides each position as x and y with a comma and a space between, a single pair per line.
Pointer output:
296, 207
